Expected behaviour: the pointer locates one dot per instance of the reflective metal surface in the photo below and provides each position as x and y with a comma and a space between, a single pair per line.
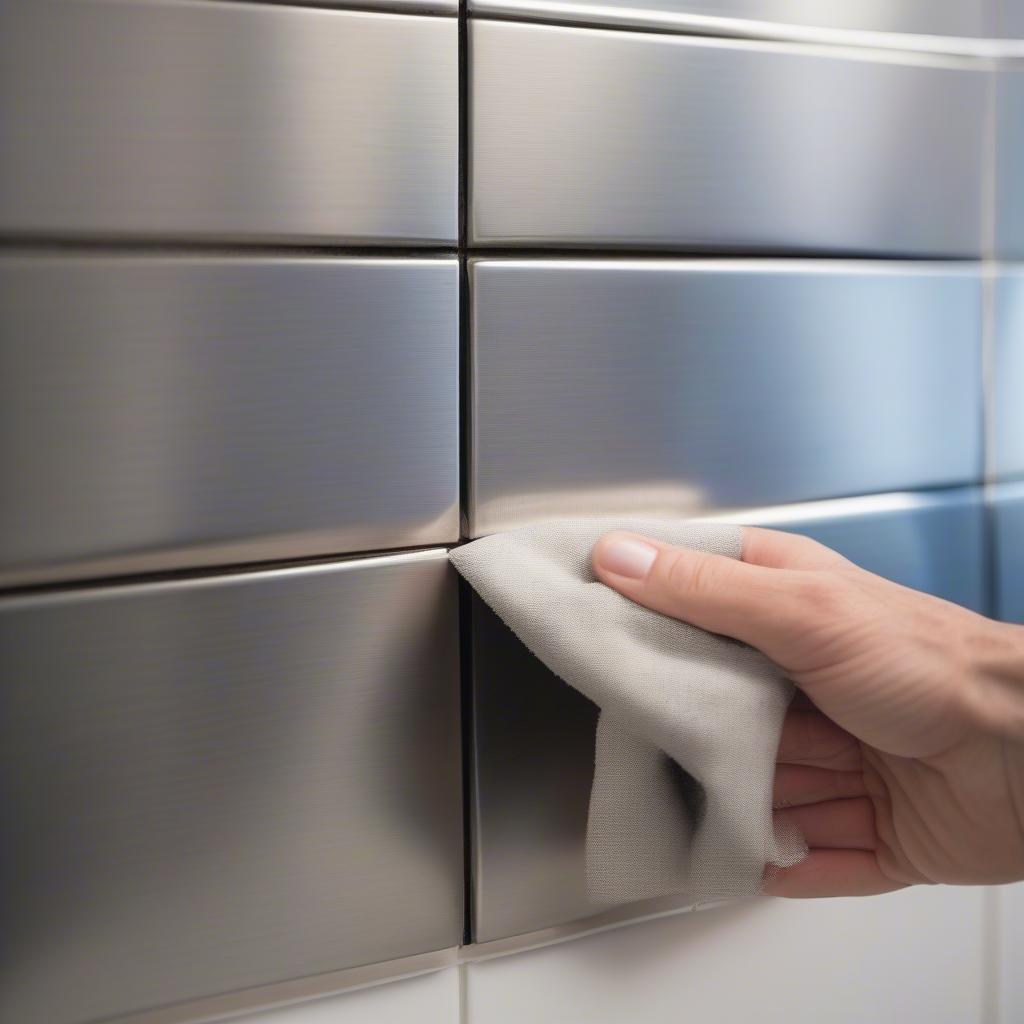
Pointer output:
534, 735
221, 783
229, 121
928, 17
165, 411
1010, 17
587, 137
1007, 399
1008, 524
660, 387
1009, 215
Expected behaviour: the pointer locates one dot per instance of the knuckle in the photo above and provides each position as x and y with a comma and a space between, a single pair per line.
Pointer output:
821, 594
704, 576
676, 571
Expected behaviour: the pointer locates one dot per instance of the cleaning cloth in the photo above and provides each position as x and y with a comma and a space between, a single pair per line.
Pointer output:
681, 801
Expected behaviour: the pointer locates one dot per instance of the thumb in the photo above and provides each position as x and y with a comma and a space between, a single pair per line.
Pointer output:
768, 608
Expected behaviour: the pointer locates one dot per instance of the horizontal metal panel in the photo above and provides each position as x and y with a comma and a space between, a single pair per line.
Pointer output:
920, 17
1008, 375
1008, 521
230, 121
703, 143
662, 387
166, 411
1010, 16
1009, 215
534, 735
221, 783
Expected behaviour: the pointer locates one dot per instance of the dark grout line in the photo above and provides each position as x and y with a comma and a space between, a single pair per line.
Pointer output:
465, 597
421, 8
468, 744
464, 297
462, 250
465, 397
46, 246
463, 126
128, 578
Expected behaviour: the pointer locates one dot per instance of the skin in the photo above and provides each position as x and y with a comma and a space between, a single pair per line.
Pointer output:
902, 756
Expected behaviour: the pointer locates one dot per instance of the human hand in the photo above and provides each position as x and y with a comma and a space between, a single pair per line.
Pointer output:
902, 756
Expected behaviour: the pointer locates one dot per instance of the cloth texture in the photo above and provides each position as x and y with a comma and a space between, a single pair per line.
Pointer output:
681, 801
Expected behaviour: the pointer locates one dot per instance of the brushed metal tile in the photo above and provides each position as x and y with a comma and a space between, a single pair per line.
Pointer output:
1010, 15
221, 783
165, 411
227, 121
600, 138
661, 387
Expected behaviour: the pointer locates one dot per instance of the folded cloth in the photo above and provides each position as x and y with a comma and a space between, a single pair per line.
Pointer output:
681, 801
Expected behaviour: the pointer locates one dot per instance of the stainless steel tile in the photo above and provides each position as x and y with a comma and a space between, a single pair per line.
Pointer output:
1007, 403
221, 783
663, 387
167, 411
1010, 17
229, 121
1009, 213
927, 17
534, 735
1008, 525
587, 137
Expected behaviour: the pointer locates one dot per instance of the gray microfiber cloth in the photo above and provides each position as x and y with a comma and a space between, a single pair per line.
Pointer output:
689, 728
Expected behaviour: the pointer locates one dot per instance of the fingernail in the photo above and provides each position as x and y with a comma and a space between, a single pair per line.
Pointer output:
627, 556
